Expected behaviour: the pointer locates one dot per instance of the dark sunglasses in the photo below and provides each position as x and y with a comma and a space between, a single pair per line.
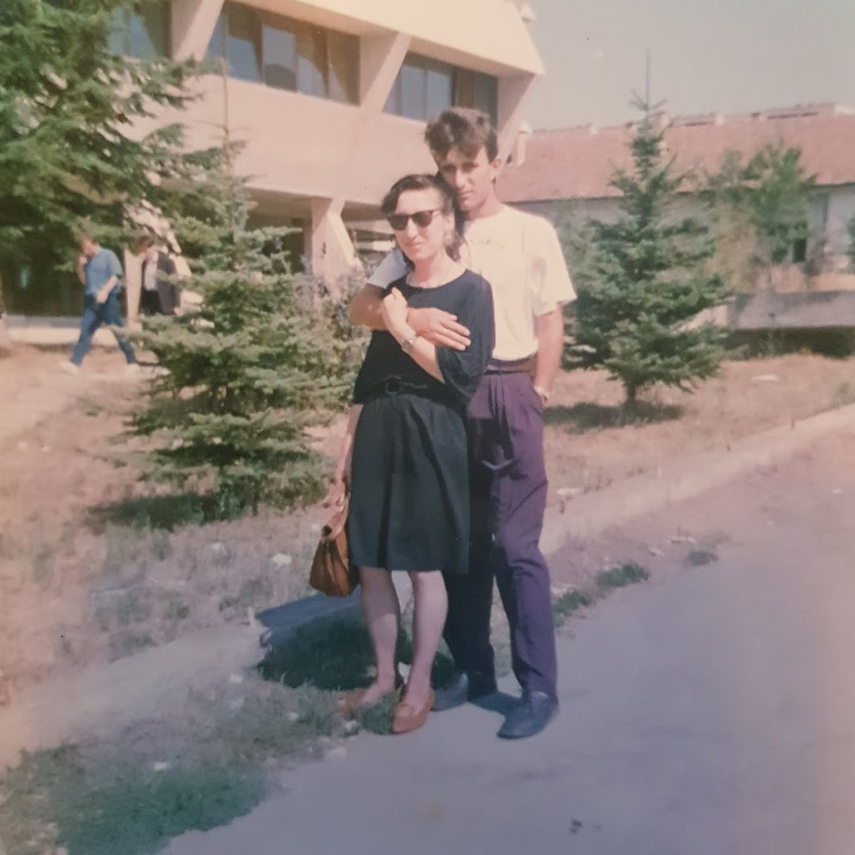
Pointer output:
421, 218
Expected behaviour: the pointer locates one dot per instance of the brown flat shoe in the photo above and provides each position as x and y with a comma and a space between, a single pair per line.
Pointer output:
354, 701
406, 719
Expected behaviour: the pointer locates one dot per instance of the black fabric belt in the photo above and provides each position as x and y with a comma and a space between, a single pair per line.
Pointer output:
511, 366
393, 386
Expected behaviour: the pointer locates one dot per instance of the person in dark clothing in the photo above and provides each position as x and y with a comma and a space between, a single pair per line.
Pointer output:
405, 450
159, 295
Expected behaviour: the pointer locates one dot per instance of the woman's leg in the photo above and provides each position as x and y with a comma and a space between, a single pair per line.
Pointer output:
430, 604
382, 617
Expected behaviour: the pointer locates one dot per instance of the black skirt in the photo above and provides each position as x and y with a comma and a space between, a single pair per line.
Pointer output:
409, 503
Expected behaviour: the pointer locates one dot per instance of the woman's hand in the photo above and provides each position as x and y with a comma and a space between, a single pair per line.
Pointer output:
336, 493
393, 311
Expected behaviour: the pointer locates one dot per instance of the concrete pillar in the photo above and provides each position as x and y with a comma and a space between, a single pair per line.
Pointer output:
513, 91
380, 60
193, 21
332, 252
133, 286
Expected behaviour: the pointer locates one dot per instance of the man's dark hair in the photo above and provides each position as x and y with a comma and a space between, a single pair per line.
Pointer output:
460, 127
144, 241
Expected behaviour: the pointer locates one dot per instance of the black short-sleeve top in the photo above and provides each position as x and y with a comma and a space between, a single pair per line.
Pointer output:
387, 366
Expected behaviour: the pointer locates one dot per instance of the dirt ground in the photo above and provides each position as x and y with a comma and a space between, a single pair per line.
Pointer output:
84, 578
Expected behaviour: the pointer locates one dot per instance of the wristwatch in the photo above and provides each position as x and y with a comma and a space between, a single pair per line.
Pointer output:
408, 344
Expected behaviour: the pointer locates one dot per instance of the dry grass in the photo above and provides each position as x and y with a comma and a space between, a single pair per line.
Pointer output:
585, 449
85, 578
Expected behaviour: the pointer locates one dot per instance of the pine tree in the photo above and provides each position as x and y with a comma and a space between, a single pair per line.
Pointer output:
643, 278
250, 369
69, 107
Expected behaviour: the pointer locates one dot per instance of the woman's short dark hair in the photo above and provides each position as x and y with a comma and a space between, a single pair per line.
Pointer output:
425, 182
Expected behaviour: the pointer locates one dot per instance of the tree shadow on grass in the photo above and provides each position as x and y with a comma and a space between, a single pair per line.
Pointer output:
335, 655
157, 512
586, 415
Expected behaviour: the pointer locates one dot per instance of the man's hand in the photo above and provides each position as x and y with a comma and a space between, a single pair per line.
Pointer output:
104, 293
439, 328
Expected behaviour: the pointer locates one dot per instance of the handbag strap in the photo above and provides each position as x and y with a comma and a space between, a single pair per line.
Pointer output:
337, 521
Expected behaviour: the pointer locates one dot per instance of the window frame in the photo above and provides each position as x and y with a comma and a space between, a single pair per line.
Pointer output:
460, 79
314, 65
123, 16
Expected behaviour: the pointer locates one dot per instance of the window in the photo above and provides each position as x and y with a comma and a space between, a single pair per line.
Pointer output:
287, 54
142, 33
425, 87
473, 89
237, 39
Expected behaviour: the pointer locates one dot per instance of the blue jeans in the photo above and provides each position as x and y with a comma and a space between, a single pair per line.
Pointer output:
95, 314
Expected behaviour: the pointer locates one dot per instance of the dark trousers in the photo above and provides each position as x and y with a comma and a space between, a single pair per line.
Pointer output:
150, 303
95, 314
508, 499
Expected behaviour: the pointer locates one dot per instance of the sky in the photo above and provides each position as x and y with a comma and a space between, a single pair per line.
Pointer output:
724, 56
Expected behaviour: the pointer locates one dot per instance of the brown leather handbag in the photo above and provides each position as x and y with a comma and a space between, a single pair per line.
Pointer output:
331, 571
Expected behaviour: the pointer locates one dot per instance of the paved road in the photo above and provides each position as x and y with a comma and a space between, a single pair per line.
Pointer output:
711, 712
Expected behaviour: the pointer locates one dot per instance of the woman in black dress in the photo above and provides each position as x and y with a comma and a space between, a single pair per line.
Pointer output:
404, 452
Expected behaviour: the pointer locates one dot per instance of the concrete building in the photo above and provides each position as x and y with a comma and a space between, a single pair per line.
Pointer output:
576, 165
329, 98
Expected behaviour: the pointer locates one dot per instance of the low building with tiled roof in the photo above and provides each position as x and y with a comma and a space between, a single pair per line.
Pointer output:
551, 166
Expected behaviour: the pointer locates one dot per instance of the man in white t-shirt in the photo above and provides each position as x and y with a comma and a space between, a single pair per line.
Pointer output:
520, 256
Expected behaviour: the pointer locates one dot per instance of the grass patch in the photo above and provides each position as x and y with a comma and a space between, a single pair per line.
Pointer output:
700, 557
114, 798
156, 512
844, 395
620, 577
273, 722
567, 603
101, 807
588, 416
378, 717
606, 581
831, 342
329, 655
